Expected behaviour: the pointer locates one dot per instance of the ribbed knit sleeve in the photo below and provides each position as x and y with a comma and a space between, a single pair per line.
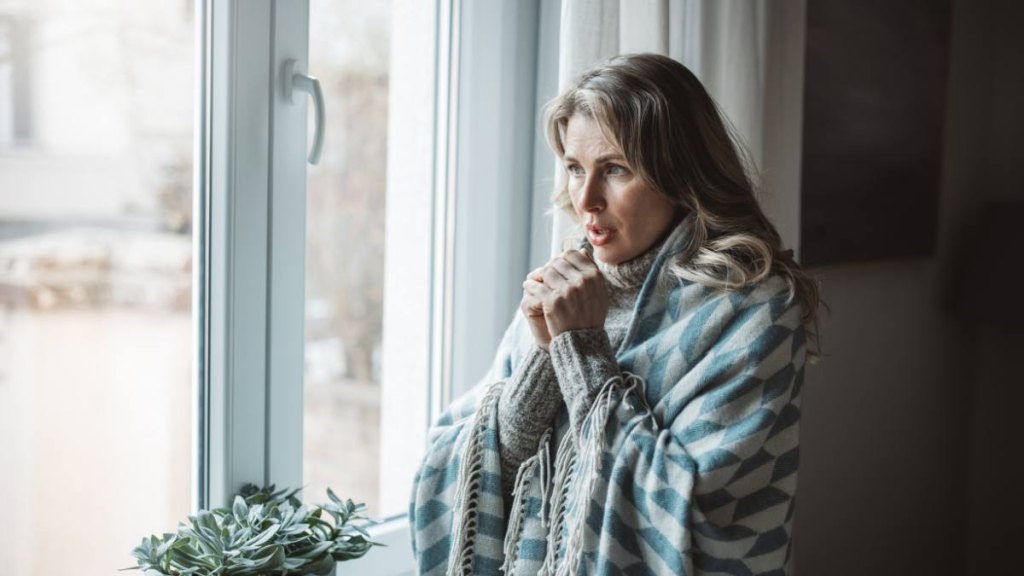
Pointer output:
527, 407
583, 361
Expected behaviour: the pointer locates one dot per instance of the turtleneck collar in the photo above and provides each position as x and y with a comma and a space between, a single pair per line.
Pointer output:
630, 275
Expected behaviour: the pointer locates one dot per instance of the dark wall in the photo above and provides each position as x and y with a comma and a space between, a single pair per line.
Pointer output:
883, 438
874, 101
910, 436
986, 239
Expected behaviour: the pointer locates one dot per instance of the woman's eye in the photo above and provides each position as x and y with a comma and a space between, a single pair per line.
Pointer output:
615, 170
575, 170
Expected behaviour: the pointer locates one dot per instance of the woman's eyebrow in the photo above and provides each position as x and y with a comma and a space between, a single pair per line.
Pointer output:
600, 159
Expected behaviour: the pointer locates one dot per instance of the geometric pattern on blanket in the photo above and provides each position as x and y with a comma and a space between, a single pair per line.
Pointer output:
687, 463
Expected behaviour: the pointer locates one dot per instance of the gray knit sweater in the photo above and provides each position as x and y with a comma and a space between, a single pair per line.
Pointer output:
577, 364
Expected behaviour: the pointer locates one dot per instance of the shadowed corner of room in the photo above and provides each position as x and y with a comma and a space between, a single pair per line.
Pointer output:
909, 439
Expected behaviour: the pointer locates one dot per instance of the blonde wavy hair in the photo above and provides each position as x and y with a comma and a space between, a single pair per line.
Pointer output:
656, 112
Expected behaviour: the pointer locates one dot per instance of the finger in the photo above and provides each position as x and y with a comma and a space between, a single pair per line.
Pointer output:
572, 275
531, 306
580, 259
537, 274
536, 289
530, 295
553, 278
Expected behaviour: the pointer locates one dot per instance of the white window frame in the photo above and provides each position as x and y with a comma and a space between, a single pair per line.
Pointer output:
462, 195
249, 238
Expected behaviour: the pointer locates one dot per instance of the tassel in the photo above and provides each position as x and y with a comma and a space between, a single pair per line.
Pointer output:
590, 460
564, 459
545, 476
518, 510
468, 489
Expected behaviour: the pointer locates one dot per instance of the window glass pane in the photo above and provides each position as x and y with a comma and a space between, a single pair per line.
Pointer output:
349, 53
6, 82
96, 116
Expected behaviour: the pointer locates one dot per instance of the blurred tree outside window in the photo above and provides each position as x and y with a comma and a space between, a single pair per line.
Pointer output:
349, 53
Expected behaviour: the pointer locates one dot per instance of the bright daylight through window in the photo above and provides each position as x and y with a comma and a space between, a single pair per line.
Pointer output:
100, 348
345, 235
96, 133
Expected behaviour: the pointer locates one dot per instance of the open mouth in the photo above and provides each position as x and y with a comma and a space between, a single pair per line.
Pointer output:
600, 236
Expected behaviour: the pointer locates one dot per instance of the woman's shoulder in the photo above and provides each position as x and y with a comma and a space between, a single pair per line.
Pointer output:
750, 322
770, 300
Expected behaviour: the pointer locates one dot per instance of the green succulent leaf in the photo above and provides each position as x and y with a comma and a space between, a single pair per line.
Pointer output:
314, 551
265, 532
334, 498
239, 508
262, 538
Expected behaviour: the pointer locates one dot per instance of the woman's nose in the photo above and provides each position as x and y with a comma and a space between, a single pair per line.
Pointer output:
591, 195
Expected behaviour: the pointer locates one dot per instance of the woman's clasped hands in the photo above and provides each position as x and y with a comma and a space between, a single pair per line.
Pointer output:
567, 293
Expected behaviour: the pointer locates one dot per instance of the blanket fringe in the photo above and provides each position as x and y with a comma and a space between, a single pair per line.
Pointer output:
545, 476
542, 460
590, 460
564, 461
467, 491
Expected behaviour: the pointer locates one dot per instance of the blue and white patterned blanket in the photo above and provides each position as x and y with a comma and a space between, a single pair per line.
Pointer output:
687, 464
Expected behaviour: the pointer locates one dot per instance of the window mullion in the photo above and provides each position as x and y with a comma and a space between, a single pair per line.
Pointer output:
287, 272
236, 262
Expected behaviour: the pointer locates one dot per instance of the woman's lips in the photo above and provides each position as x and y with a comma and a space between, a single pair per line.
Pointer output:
600, 236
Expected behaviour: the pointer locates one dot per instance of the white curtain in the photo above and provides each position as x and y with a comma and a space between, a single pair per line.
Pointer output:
747, 53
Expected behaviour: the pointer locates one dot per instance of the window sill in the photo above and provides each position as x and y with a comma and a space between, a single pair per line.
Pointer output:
393, 559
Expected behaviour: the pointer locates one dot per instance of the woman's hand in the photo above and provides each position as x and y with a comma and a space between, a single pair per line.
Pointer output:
569, 292
533, 310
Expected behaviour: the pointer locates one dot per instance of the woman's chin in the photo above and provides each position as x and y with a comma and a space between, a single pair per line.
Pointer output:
608, 255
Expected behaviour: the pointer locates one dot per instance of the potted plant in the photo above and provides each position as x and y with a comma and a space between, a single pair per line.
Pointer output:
264, 533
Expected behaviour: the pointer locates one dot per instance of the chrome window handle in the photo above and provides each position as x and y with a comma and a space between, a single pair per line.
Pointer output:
299, 82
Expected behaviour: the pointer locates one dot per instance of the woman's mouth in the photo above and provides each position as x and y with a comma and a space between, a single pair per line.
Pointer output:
600, 236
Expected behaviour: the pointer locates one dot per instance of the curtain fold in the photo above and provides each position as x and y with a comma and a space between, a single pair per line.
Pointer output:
589, 33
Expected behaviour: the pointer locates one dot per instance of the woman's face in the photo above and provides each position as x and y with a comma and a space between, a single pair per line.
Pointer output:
622, 215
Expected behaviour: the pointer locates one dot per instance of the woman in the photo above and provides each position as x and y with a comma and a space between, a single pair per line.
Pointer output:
642, 412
